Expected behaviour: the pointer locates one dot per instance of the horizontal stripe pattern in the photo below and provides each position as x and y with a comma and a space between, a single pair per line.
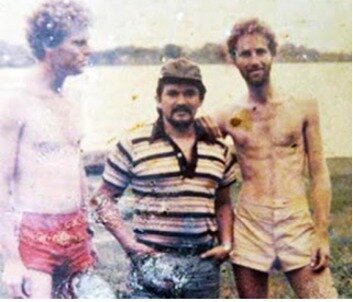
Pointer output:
169, 207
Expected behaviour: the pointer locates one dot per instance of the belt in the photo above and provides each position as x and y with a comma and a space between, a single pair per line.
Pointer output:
183, 250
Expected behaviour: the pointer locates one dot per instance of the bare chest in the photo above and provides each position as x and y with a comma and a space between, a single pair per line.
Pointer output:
268, 128
49, 133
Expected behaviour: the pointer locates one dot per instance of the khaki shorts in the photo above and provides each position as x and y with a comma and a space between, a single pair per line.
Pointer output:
265, 237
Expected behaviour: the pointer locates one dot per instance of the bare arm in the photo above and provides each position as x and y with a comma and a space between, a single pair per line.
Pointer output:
108, 214
224, 214
14, 273
215, 125
320, 188
9, 138
83, 184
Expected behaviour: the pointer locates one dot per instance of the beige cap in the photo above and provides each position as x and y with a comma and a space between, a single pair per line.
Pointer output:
181, 68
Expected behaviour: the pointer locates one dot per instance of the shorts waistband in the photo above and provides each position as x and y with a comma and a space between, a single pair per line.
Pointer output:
44, 222
62, 238
292, 204
60, 229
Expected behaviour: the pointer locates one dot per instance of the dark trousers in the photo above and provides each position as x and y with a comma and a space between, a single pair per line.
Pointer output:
171, 275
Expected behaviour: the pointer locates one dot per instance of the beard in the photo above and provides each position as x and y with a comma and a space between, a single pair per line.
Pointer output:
180, 124
256, 81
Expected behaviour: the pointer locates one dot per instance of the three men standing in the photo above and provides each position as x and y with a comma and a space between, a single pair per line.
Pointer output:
179, 176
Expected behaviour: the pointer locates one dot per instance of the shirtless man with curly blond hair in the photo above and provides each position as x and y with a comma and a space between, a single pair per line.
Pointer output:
43, 225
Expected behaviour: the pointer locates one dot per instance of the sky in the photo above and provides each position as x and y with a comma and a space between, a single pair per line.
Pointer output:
322, 24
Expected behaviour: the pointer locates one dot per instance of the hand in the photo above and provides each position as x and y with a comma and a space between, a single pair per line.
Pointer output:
16, 279
218, 253
136, 249
209, 126
320, 252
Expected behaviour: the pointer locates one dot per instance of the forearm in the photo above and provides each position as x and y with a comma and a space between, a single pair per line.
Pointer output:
9, 239
108, 214
9, 219
320, 186
321, 203
225, 219
84, 186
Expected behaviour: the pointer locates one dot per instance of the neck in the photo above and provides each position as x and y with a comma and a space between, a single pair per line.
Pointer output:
261, 94
178, 133
50, 79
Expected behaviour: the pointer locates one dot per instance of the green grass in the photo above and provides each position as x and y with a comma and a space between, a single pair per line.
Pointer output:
341, 192
341, 234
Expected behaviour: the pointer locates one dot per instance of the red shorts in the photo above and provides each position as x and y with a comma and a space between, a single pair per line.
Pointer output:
55, 241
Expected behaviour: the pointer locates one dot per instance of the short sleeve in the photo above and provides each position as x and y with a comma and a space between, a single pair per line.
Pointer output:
118, 166
230, 170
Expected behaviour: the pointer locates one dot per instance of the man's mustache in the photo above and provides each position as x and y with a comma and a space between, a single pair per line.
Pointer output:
181, 108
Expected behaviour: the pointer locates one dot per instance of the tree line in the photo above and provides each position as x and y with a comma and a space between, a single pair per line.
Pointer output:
209, 53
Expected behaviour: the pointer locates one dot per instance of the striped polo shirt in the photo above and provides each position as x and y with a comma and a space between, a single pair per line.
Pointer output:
174, 200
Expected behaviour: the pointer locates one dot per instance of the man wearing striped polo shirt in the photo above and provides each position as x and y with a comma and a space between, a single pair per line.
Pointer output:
180, 180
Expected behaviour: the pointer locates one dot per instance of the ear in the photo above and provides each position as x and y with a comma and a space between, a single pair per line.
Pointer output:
158, 100
48, 53
199, 104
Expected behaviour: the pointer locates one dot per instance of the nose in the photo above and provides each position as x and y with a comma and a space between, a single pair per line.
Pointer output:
255, 61
87, 51
181, 99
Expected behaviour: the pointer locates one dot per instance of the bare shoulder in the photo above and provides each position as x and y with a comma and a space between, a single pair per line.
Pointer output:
225, 115
14, 108
304, 107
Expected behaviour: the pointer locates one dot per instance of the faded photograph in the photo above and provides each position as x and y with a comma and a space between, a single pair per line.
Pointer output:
175, 149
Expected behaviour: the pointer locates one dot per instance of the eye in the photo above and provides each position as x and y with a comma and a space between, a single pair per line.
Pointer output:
80, 42
245, 54
261, 51
172, 93
190, 93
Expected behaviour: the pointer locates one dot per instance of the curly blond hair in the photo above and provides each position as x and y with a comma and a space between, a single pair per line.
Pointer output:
249, 27
52, 22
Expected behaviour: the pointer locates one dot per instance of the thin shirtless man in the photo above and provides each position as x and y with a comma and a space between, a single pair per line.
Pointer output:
43, 227
276, 139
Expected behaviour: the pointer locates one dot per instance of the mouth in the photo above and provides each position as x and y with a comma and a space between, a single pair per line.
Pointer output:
182, 112
256, 72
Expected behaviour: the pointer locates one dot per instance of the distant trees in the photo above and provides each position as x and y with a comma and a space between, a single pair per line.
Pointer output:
172, 51
292, 53
209, 53
14, 56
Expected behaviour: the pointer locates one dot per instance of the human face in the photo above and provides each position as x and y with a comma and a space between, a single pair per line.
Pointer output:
70, 57
178, 104
254, 59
